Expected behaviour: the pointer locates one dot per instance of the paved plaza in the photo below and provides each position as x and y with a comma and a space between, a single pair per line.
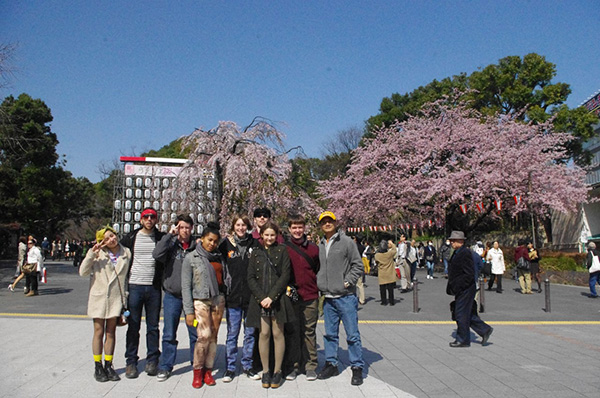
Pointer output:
46, 350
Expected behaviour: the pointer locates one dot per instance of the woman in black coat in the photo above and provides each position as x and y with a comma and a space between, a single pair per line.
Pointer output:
269, 308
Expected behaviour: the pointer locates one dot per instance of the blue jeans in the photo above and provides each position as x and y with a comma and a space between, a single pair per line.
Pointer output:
594, 276
235, 318
430, 265
172, 308
147, 298
343, 309
445, 266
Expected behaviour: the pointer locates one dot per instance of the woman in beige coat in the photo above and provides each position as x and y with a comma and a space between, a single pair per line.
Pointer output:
107, 264
386, 271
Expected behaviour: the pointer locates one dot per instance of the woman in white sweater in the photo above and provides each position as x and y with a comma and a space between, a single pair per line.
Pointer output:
496, 257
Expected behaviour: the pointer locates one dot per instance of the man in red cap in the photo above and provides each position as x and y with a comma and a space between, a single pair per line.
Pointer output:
144, 280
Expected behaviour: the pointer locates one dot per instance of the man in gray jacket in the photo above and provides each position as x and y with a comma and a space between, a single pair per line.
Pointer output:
171, 250
341, 268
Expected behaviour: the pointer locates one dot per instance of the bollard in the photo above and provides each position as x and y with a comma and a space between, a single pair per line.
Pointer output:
481, 294
547, 288
416, 296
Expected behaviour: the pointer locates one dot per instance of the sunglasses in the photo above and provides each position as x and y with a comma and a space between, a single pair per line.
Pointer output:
150, 216
261, 216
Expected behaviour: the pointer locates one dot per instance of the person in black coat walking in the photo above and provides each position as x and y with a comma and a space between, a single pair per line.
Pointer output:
461, 284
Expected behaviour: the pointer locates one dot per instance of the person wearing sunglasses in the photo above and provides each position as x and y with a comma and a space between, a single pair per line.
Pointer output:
144, 281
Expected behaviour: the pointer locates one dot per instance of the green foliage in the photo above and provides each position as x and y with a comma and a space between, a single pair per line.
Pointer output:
35, 190
560, 263
171, 150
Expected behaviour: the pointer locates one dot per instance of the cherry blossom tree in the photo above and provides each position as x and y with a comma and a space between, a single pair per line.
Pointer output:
427, 166
248, 167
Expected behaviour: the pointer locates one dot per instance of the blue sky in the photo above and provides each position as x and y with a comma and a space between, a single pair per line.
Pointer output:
122, 77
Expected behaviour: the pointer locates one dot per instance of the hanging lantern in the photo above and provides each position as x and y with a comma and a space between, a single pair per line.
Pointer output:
498, 204
517, 199
480, 206
463, 208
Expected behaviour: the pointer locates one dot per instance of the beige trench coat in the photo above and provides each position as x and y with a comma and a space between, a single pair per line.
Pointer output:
386, 266
104, 300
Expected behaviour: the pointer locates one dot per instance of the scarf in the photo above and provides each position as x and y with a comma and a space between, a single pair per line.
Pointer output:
300, 242
242, 243
210, 277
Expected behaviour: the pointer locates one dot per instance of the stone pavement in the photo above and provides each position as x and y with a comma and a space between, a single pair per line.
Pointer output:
533, 353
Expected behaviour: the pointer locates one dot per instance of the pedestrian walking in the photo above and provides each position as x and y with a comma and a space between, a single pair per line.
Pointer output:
461, 285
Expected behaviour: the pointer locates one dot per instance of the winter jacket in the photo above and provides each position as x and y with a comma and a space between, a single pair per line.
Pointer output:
269, 280
170, 252
461, 272
237, 265
105, 300
341, 264
386, 266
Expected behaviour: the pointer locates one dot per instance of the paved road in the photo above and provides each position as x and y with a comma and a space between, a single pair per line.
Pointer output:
532, 353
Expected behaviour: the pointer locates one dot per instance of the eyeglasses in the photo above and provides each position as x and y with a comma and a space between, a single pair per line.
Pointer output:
327, 221
150, 216
262, 216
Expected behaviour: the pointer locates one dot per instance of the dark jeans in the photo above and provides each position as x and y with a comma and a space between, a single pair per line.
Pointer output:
413, 270
387, 291
498, 277
172, 308
146, 298
467, 318
31, 281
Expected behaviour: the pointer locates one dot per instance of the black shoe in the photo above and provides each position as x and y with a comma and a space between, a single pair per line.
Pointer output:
486, 337
357, 378
540, 290
456, 344
383, 303
499, 291
251, 374
110, 371
266, 380
100, 373
228, 376
131, 371
275, 380
328, 371
151, 368
392, 302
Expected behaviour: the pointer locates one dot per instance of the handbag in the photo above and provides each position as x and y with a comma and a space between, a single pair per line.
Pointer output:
595, 264
28, 268
523, 264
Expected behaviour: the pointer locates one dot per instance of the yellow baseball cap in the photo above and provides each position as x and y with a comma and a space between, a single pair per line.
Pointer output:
327, 214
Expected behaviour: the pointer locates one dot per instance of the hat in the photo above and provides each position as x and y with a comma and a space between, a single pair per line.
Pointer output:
100, 233
591, 245
457, 235
262, 211
327, 214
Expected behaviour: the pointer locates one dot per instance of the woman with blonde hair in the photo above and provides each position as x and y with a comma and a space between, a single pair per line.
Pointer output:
107, 264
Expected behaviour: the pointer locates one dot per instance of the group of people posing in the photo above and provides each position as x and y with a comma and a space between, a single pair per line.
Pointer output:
251, 276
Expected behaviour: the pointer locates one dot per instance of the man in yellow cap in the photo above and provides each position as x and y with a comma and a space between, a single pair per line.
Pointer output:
341, 268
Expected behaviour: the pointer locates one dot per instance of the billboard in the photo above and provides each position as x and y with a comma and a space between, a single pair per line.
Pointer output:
152, 182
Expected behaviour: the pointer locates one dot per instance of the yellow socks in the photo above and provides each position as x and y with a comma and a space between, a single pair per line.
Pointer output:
97, 358
108, 358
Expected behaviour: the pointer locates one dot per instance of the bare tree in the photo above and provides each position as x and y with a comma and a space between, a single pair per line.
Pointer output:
343, 141
7, 70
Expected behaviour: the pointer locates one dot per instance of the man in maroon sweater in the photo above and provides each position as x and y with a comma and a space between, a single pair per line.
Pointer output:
300, 336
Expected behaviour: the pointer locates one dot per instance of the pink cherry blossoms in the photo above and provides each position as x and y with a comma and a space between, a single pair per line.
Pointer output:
249, 167
419, 169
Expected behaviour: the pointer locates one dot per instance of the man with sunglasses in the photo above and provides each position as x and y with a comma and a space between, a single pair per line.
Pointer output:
144, 279
261, 216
